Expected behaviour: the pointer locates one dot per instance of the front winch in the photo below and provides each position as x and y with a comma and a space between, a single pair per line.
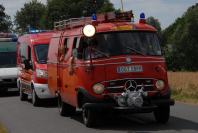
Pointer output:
131, 98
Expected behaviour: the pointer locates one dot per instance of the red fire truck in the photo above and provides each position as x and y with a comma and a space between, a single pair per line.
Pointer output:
32, 50
108, 62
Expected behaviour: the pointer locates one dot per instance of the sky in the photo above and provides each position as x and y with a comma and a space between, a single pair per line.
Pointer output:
166, 11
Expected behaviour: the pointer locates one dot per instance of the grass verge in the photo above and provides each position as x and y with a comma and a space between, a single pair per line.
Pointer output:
3, 129
184, 86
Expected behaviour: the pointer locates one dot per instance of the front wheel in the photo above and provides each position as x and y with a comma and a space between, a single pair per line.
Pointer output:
35, 99
162, 114
22, 96
89, 117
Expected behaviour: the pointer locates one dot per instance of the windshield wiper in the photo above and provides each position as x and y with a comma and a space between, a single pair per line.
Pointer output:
101, 52
134, 50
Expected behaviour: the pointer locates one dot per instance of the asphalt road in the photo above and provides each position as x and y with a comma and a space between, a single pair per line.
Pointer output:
22, 117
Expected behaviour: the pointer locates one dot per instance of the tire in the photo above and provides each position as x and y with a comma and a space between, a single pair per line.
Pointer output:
35, 99
162, 114
89, 117
22, 96
64, 108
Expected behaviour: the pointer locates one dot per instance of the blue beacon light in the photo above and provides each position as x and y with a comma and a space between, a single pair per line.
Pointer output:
142, 19
142, 16
94, 17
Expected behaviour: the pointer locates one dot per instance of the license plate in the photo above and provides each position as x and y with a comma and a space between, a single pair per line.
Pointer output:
128, 69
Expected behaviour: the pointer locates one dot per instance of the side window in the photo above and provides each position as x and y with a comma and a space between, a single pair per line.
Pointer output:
75, 42
23, 52
77, 50
29, 53
66, 46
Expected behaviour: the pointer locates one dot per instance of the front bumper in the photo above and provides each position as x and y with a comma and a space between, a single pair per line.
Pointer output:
7, 84
42, 91
144, 109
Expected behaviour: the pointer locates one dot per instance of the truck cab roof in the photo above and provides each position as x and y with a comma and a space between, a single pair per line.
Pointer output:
38, 38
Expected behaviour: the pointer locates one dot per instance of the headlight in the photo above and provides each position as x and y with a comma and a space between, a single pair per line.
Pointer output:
41, 73
89, 30
98, 88
160, 84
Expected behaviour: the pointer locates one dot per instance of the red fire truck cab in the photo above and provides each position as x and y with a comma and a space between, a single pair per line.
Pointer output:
32, 50
107, 62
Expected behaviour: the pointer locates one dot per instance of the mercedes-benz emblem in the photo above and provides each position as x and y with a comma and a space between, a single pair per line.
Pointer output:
130, 85
128, 60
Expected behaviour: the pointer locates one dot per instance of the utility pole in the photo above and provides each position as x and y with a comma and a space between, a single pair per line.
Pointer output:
122, 6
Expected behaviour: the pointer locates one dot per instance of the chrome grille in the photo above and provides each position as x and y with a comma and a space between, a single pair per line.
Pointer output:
118, 86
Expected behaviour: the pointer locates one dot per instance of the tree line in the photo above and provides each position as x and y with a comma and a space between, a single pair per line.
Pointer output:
179, 41
5, 21
40, 16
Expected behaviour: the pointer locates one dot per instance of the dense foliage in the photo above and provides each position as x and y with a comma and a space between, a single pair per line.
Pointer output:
30, 15
155, 23
5, 21
40, 16
181, 41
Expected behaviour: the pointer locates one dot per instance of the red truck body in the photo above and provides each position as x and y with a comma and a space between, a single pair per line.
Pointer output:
117, 77
32, 52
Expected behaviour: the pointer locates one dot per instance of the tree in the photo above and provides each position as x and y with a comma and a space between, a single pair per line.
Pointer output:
5, 21
65, 9
182, 38
155, 23
30, 15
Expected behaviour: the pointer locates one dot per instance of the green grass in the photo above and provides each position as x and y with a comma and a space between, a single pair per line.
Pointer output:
185, 96
184, 86
3, 129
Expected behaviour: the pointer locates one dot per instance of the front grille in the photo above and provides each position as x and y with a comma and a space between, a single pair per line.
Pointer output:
118, 86
9, 80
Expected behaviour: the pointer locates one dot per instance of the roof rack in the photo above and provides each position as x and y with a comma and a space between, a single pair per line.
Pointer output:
73, 22
100, 18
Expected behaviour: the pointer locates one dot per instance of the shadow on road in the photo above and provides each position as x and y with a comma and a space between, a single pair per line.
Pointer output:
141, 123
46, 103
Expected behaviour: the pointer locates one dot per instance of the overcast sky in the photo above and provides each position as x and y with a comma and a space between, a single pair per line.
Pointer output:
164, 10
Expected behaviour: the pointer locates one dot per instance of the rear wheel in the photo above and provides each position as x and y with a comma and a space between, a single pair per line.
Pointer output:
35, 99
64, 108
22, 96
162, 114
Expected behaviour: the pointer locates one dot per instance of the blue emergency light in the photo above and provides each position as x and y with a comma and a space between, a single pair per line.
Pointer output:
94, 17
142, 16
8, 37
37, 31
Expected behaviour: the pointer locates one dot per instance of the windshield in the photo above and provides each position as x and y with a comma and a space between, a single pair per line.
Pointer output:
41, 52
7, 54
125, 43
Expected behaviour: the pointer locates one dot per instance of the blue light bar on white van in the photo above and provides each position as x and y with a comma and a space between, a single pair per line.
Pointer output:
8, 37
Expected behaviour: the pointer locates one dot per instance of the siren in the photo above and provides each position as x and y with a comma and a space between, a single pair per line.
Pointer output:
142, 18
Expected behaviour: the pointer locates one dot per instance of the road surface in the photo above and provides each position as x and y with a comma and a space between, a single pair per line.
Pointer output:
22, 117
